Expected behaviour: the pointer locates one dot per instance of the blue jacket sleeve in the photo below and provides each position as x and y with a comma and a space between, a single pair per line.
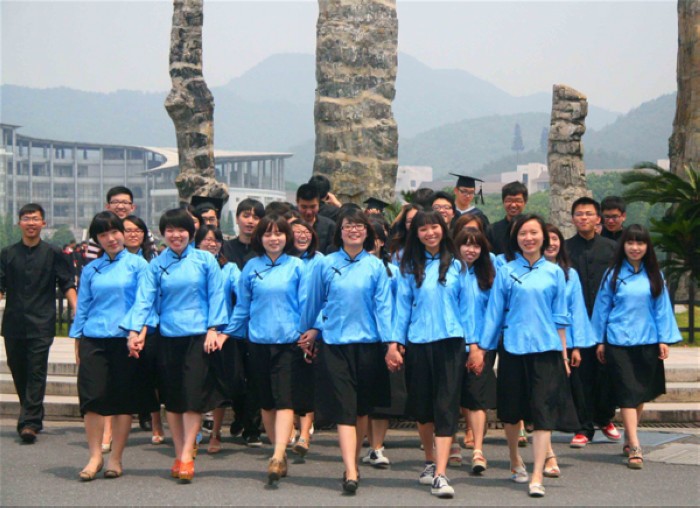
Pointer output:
495, 311
238, 325
85, 299
311, 312
665, 319
560, 312
404, 306
383, 301
601, 309
466, 307
581, 331
139, 314
218, 315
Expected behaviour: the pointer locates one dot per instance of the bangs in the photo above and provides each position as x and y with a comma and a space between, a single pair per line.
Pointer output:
427, 218
636, 233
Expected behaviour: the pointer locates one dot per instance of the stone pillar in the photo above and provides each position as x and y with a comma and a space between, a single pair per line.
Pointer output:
356, 62
684, 143
567, 172
190, 105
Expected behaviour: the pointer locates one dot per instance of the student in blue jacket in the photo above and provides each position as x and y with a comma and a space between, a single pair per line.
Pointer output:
186, 286
634, 323
306, 247
109, 384
269, 311
353, 292
432, 302
478, 391
579, 337
225, 362
528, 306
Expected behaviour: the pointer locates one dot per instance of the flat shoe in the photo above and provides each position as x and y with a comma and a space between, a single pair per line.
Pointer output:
551, 472
107, 447
479, 463
275, 470
301, 447
156, 439
113, 473
350, 486
536, 490
87, 476
214, 444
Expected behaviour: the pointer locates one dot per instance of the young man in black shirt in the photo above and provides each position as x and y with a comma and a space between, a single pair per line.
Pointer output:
590, 255
248, 214
514, 196
308, 203
613, 210
29, 273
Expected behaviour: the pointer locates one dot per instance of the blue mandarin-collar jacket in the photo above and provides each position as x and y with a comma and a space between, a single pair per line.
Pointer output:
188, 291
527, 304
433, 311
477, 310
580, 333
231, 275
354, 298
107, 291
271, 300
631, 316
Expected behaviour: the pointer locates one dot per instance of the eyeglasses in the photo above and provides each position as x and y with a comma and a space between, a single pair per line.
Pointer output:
465, 192
353, 227
120, 203
34, 220
133, 231
585, 214
516, 201
302, 233
612, 217
441, 208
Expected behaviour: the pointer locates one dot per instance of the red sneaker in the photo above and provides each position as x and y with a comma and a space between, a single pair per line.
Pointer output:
579, 441
611, 432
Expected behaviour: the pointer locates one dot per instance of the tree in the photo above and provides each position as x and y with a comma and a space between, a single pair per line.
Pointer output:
678, 232
517, 145
9, 231
62, 236
227, 225
544, 142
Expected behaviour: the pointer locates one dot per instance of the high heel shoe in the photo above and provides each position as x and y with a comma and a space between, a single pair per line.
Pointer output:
186, 471
87, 475
175, 470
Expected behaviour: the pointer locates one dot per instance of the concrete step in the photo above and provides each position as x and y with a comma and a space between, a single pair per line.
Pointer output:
669, 412
681, 392
56, 407
61, 368
55, 385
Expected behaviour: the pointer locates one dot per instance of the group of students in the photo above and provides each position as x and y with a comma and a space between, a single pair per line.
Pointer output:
390, 320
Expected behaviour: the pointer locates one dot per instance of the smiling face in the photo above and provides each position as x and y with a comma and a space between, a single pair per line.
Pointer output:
302, 237
635, 251
121, 205
274, 241
586, 219
112, 242
176, 238
444, 208
430, 235
531, 238
31, 224
210, 244
514, 205
246, 221
552, 251
133, 236
353, 234
470, 252
308, 208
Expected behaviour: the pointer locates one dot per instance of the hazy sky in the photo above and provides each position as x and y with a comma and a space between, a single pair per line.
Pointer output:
619, 53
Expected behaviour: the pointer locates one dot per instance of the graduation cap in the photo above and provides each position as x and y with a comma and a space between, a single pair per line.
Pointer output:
204, 203
470, 183
376, 204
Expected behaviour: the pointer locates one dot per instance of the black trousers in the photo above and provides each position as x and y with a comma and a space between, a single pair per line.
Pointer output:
592, 392
28, 360
246, 407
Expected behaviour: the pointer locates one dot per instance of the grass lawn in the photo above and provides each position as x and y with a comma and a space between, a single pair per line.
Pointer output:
682, 319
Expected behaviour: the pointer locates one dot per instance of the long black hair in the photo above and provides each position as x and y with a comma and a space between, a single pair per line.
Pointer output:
483, 267
637, 233
398, 229
413, 260
562, 259
313, 244
147, 247
381, 232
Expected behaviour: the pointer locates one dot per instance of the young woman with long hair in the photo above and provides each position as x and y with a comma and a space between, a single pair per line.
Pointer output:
527, 305
634, 323
478, 391
432, 302
399, 230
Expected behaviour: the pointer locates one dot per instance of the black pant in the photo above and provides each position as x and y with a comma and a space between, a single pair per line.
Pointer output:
590, 387
246, 407
28, 360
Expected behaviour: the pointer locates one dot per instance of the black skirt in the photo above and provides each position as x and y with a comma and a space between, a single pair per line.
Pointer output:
227, 367
534, 387
351, 380
148, 371
398, 395
108, 379
479, 392
434, 379
280, 377
186, 381
636, 372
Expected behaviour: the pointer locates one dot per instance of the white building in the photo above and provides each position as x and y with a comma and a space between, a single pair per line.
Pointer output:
410, 178
535, 176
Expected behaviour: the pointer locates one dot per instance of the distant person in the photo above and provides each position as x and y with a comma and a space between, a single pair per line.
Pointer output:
444, 204
208, 209
330, 205
613, 209
423, 197
277, 208
30, 270
514, 196
374, 206
248, 214
120, 201
308, 203
590, 254
465, 192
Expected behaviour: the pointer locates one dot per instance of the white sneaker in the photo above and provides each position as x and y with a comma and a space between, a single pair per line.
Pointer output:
441, 487
426, 477
377, 458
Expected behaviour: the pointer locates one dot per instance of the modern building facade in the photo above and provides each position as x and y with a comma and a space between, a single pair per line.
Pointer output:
71, 179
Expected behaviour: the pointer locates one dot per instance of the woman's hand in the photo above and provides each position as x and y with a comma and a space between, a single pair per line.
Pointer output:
221, 339
307, 340
77, 351
210, 341
567, 367
575, 357
393, 358
475, 362
135, 343
663, 351
600, 353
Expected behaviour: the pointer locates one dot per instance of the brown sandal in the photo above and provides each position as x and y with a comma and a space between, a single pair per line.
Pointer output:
551, 472
635, 459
